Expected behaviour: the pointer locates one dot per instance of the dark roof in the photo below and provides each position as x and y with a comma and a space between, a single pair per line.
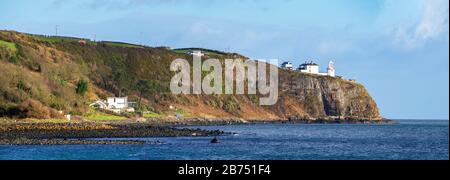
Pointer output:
309, 64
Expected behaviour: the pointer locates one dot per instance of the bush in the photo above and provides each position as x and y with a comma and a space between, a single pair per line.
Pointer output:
3, 112
58, 106
13, 111
35, 109
14, 60
9, 110
82, 87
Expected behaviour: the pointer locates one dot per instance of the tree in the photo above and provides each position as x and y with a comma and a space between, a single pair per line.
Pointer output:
122, 82
142, 87
82, 87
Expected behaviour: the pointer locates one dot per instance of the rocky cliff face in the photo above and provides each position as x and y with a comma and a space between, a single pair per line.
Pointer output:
47, 70
328, 97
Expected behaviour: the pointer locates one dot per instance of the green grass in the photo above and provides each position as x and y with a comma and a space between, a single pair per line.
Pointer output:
10, 46
121, 44
100, 116
55, 39
206, 51
152, 115
181, 51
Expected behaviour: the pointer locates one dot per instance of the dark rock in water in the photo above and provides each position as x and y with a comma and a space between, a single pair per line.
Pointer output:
215, 141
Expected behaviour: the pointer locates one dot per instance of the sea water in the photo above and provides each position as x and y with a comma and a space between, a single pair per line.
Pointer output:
410, 140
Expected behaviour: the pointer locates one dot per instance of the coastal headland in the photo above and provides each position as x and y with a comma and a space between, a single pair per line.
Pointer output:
57, 90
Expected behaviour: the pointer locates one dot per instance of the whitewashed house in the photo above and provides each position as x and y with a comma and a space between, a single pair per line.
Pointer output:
99, 104
287, 65
313, 68
309, 67
196, 53
115, 104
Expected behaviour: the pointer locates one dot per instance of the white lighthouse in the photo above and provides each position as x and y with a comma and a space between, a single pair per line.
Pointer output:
330, 70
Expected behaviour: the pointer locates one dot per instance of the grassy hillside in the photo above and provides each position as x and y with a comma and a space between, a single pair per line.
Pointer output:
46, 75
8, 45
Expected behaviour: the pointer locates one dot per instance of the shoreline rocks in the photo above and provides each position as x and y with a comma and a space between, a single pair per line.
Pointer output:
81, 133
23, 141
78, 133
219, 122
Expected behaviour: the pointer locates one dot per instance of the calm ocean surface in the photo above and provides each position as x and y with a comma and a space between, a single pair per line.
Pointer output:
411, 139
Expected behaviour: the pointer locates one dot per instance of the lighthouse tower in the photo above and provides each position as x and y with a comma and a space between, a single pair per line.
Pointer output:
330, 70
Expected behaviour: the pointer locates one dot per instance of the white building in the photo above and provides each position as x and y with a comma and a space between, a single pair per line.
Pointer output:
309, 67
196, 53
313, 68
287, 65
115, 104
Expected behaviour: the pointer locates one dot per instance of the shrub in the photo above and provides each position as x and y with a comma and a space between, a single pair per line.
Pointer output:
82, 87
3, 112
13, 111
14, 60
57, 106
55, 114
35, 109
23, 86
8, 110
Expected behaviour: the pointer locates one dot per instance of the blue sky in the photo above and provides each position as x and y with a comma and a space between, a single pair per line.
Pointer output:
397, 48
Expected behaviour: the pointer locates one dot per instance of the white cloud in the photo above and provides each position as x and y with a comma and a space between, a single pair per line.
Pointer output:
434, 23
435, 19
